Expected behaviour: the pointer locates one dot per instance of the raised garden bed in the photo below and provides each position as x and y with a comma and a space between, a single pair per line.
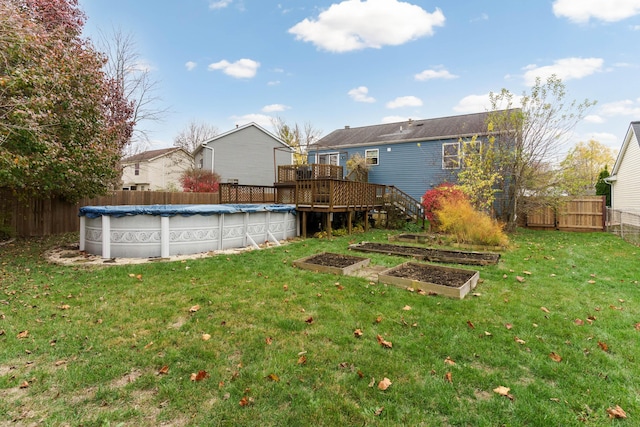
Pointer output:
448, 281
430, 254
327, 262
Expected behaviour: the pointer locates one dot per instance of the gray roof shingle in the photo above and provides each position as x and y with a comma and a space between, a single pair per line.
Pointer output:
466, 125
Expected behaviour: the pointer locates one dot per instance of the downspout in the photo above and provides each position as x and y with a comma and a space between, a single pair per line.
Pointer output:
212, 156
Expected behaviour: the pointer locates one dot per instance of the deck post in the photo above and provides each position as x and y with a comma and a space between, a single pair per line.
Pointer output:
349, 222
304, 224
328, 218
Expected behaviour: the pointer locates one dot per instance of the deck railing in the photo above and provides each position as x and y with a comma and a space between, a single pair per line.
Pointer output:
335, 194
293, 173
234, 193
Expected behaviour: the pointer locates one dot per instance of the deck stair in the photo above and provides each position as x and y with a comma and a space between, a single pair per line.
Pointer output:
399, 204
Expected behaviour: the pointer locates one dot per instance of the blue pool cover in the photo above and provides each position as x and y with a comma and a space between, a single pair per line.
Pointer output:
184, 210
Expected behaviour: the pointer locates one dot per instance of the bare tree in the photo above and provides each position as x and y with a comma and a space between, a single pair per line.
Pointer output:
296, 137
526, 139
124, 65
194, 134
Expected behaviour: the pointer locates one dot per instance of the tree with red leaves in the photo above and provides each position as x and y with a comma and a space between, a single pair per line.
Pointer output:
200, 181
63, 122
432, 199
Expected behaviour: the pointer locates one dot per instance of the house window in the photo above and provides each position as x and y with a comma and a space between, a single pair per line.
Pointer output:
328, 159
133, 188
451, 155
201, 163
372, 156
233, 181
137, 171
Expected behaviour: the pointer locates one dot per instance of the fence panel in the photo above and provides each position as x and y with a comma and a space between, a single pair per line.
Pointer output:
44, 217
572, 214
624, 224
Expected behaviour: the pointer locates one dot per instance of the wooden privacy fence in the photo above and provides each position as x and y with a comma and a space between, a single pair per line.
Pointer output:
571, 214
38, 217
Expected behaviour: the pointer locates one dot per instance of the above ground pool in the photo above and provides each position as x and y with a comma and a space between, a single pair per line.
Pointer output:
135, 231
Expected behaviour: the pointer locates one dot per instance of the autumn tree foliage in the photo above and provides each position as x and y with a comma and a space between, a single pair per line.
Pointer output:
582, 165
200, 181
433, 199
63, 123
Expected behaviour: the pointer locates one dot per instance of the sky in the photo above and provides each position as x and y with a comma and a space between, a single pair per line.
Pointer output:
354, 63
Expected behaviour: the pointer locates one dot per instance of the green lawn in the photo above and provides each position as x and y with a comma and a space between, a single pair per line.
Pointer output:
119, 345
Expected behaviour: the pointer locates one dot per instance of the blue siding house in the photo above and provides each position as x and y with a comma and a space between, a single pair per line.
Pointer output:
414, 155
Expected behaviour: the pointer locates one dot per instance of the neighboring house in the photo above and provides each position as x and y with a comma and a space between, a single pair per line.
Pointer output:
246, 155
155, 169
414, 156
625, 175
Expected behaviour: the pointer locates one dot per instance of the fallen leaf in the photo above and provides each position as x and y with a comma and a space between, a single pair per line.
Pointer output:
148, 345
616, 412
309, 320
504, 276
488, 334
201, 375
378, 319
528, 273
552, 275
372, 382
164, 370
23, 334
285, 287
449, 361
357, 333
591, 282
268, 340
406, 308
60, 362
273, 377
132, 275
448, 377
64, 307
378, 411
139, 277
244, 401
503, 391
508, 325
384, 384
578, 322
637, 326
383, 343
25, 384
411, 289
545, 309
520, 279
555, 357
194, 308
471, 325
519, 341
302, 360
603, 346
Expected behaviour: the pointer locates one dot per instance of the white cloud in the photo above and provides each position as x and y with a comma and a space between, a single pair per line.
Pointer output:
565, 69
190, 65
482, 17
593, 118
435, 74
361, 94
273, 108
241, 69
394, 119
273, 83
480, 103
261, 119
220, 4
635, 28
356, 24
625, 107
581, 11
405, 101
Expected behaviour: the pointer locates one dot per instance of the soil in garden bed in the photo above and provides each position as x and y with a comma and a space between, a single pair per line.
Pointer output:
430, 254
432, 274
333, 260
